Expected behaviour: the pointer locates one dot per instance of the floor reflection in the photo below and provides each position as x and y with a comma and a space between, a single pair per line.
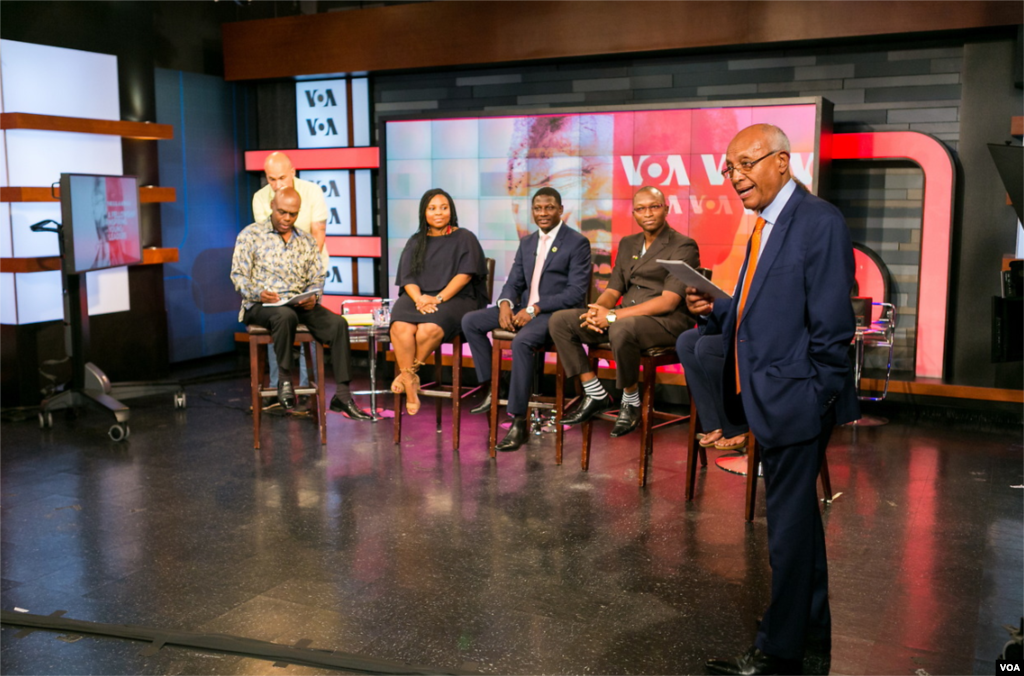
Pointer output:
416, 552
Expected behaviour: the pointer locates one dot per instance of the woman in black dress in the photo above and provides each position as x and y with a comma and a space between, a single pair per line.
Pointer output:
442, 275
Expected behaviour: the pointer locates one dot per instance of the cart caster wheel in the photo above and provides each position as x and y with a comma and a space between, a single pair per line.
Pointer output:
45, 420
119, 431
179, 400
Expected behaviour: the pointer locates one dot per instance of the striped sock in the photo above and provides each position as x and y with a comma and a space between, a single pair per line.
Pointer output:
631, 398
594, 389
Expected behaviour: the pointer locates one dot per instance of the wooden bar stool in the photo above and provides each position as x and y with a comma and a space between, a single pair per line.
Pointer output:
650, 360
502, 340
259, 339
439, 391
753, 466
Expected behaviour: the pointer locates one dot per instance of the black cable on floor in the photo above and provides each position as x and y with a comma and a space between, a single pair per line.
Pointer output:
221, 643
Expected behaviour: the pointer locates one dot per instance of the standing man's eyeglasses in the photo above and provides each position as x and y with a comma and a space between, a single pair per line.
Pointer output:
745, 167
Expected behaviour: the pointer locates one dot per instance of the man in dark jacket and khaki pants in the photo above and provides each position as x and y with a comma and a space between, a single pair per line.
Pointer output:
651, 312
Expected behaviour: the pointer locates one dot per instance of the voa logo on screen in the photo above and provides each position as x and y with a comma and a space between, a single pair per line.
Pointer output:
321, 109
669, 171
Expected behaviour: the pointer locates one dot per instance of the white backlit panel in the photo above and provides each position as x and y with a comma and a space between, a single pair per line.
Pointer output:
360, 112
39, 297
8, 301
104, 288
28, 244
3, 151
364, 202
6, 243
56, 81
37, 158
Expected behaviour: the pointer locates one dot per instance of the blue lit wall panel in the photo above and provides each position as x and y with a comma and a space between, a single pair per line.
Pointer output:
203, 163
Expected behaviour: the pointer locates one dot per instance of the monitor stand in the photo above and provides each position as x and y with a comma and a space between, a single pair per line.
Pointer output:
89, 384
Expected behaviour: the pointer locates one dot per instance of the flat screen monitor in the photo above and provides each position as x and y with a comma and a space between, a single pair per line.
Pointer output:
100, 221
597, 159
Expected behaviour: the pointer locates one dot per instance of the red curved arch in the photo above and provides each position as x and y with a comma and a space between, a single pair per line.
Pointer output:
936, 228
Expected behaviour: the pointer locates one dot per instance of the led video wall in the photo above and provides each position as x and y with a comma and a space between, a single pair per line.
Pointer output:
597, 161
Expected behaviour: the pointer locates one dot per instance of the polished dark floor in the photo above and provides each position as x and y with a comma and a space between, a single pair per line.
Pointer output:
455, 561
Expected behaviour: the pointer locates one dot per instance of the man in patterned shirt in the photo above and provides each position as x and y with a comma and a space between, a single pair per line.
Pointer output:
273, 262
312, 220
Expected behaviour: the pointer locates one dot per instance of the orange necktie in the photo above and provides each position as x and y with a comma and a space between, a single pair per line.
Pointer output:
755, 252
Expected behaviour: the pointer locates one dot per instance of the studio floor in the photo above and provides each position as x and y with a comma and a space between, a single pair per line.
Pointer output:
453, 561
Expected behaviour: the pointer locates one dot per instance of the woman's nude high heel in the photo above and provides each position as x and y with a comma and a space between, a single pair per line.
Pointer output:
411, 381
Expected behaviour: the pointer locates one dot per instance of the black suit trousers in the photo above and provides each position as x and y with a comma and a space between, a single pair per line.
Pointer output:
326, 327
629, 337
799, 606
476, 325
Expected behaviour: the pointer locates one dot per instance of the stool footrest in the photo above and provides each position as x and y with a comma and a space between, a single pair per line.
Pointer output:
272, 391
436, 394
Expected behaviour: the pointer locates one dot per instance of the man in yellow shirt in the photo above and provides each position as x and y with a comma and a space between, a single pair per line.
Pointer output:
312, 219
313, 214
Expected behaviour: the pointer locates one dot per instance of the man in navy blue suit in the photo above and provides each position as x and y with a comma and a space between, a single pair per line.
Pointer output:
786, 334
551, 272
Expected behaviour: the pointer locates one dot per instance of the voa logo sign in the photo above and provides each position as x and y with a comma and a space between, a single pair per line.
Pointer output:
321, 108
337, 195
669, 171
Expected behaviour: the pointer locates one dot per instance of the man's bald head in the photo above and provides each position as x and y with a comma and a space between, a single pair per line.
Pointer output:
284, 209
758, 163
653, 192
279, 170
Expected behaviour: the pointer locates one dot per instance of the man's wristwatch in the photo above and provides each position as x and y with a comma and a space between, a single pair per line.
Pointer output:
610, 317
530, 311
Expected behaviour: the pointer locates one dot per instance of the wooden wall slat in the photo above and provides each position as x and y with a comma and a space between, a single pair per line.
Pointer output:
144, 131
445, 34
49, 263
147, 194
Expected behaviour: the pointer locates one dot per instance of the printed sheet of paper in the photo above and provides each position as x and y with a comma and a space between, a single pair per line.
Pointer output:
294, 300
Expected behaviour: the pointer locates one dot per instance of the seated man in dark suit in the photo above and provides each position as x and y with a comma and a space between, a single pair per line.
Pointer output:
274, 261
651, 313
551, 272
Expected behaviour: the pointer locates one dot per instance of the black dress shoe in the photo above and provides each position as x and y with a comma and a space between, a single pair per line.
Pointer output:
286, 394
628, 420
484, 406
587, 410
516, 437
349, 408
753, 662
